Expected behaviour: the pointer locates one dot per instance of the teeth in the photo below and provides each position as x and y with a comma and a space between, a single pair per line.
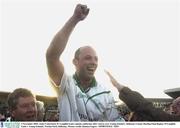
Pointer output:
91, 69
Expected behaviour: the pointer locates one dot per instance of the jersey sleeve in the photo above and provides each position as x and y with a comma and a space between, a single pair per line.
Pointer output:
62, 86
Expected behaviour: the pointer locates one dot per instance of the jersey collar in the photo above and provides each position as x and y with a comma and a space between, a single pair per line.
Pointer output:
78, 83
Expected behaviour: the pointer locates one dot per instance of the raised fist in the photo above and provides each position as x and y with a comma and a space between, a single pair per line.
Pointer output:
81, 11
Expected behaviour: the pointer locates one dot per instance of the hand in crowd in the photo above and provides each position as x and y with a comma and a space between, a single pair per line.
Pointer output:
114, 81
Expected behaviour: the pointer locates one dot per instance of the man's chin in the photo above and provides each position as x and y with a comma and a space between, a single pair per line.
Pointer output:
89, 76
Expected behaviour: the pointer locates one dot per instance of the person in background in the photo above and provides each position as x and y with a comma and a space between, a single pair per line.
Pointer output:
40, 110
3, 111
80, 96
2, 116
168, 108
22, 105
135, 117
175, 106
53, 117
144, 108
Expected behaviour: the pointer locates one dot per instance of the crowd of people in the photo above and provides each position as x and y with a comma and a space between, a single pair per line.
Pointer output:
23, 106
80, 96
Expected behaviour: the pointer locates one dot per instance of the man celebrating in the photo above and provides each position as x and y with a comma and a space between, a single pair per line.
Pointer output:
80, 97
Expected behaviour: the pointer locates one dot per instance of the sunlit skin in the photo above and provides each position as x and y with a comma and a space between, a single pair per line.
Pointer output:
86, 65
25, 110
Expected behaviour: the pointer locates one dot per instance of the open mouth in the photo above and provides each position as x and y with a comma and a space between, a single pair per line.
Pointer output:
91, 69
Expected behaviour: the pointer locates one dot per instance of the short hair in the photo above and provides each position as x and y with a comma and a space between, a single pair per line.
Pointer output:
77, 53
13, 97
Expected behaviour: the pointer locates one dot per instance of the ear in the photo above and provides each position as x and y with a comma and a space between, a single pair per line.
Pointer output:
75, 62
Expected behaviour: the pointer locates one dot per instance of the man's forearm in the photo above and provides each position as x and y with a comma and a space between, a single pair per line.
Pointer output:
60, 40
137, 103
133, 99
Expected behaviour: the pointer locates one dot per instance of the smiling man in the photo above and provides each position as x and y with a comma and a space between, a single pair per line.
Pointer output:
22, 105
80, 96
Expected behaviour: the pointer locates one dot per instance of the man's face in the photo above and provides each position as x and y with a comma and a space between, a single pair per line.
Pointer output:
176, 106
87, 63
25, 110
2, 116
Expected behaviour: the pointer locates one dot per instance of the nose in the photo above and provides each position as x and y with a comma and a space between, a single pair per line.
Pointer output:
94, 61
32, 108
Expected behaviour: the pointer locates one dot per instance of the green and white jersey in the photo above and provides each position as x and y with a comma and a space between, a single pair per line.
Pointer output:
95, 104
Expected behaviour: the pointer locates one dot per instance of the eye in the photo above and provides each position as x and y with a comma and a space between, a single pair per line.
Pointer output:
88, 57
96, 58
24, 105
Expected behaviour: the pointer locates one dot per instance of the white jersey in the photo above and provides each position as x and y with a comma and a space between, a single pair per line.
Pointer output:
95, 105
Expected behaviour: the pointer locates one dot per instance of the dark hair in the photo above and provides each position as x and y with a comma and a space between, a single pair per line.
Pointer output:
13, 97
78, 51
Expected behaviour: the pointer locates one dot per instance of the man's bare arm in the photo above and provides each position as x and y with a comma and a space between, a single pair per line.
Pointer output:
114, 81
58, 44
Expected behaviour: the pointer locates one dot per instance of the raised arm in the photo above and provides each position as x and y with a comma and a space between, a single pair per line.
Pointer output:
114, 81
58, 44
137, 103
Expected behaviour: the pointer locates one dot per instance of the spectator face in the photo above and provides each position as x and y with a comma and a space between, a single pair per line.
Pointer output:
2, 117
87, 62
40, 115
176, 106
25, 110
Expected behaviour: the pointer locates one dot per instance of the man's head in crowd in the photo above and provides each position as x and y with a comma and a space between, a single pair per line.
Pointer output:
40, 110
176, 106
22, 105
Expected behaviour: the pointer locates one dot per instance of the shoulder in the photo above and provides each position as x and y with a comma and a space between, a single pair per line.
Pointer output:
66, 78
101, 87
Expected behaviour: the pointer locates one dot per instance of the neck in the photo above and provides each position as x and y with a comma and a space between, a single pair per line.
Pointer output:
85, 83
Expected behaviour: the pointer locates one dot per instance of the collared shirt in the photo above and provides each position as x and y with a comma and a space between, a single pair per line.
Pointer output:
96, 104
